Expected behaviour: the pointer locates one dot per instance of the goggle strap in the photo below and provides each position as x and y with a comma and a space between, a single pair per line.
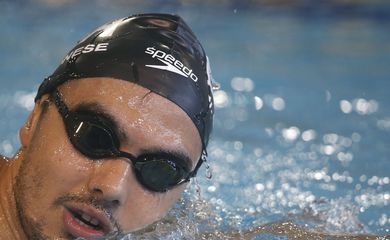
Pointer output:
203, 158
64, 111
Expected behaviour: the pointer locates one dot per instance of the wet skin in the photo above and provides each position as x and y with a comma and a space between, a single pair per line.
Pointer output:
49, 185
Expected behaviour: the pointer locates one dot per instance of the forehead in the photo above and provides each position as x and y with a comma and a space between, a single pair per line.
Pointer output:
148, 119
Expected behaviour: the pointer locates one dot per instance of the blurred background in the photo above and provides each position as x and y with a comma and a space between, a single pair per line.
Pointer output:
302, 125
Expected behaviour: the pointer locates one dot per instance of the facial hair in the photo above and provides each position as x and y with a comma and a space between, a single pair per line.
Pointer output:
34, 228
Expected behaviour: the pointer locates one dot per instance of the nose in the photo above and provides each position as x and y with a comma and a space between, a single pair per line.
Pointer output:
110, 181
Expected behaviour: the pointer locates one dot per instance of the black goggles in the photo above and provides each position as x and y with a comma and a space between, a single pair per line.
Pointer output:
94, 138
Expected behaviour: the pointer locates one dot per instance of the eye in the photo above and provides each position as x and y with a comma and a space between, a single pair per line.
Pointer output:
93, 140
158, 174
96, 137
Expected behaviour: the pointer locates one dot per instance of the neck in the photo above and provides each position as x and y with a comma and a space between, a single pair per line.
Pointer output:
10, 227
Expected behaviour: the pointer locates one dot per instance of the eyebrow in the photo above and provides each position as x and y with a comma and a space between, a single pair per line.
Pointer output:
101, 112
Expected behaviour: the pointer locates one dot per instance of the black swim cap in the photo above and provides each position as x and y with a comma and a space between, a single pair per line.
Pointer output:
157, 51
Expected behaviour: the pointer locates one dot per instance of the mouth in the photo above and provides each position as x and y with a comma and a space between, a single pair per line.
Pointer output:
86, 222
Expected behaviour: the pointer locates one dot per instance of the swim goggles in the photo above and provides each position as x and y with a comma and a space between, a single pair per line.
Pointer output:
93, 137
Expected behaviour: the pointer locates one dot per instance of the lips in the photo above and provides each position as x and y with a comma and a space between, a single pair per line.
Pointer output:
86, 221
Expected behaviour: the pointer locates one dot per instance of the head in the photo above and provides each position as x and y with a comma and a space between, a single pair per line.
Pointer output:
117, 131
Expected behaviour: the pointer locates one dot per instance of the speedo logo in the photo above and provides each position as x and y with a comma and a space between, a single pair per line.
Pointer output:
170, 63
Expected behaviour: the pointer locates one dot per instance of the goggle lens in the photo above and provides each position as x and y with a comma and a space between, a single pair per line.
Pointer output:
150, 173
92, 140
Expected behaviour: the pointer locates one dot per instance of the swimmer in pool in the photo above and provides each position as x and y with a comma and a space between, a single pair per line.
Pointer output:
117, 132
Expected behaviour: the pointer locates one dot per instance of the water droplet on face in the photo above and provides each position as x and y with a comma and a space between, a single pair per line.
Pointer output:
119, 98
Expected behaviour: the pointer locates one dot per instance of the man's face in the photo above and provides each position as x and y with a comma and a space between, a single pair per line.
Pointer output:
58, 188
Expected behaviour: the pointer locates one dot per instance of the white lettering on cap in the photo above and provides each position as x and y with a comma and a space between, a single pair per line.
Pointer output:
171, 64
101, 47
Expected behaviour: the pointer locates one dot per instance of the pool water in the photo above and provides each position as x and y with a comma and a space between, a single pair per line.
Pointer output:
302, 126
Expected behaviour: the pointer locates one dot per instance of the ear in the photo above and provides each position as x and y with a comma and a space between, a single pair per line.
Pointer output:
28, 128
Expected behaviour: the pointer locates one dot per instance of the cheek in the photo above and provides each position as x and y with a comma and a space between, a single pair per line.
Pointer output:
56, 166
45, 175
144, 208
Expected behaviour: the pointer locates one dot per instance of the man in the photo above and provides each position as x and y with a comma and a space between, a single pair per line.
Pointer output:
116, 133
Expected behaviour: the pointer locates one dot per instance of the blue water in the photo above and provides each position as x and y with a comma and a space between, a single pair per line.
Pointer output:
302, 126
